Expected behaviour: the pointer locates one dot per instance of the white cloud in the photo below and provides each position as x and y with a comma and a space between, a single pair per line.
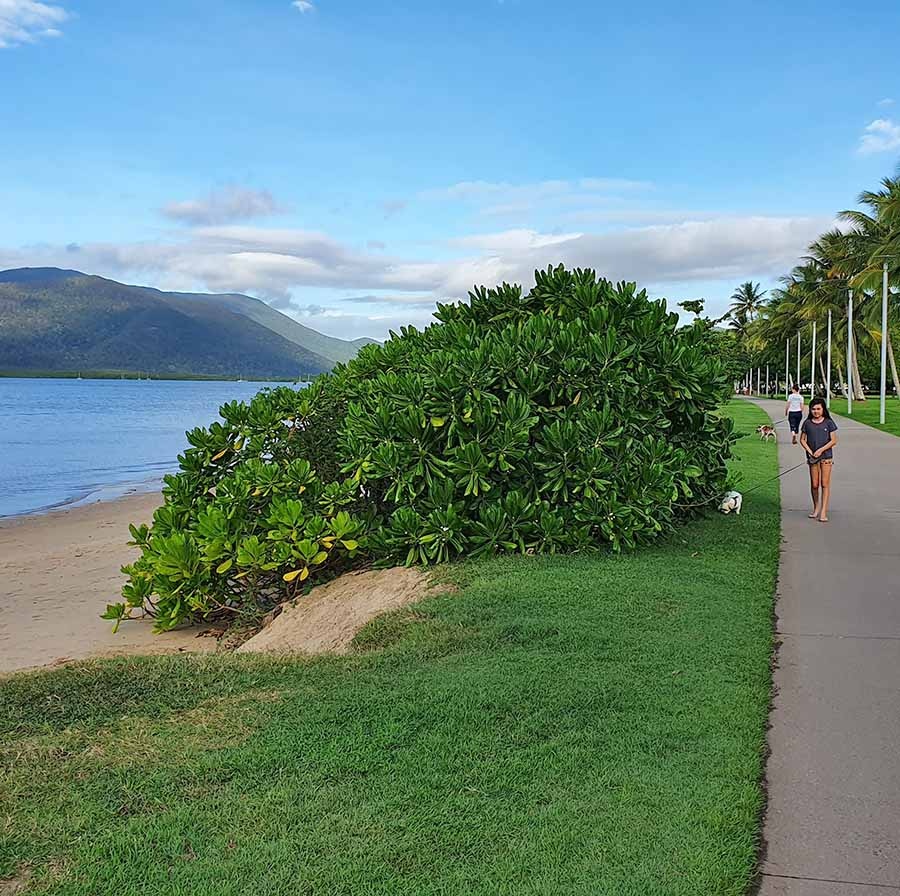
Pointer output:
724, 248
350, 325
303, 5
287, 266
481, 189
634, 214
887, 101
720, 249
223, 206
26, 21
501, 199
880, 135
613, 184
512, 240
398, 299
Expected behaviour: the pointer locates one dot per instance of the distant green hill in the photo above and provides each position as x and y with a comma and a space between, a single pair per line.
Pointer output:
327, 346
52, 319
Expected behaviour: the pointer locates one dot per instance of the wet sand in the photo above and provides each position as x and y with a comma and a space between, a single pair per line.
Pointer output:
58, 571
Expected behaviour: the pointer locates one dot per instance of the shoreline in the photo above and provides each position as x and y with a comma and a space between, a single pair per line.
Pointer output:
107, 493
134, 376
58, 571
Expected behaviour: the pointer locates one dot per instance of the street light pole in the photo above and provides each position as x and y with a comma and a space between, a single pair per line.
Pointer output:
812, 366
767, 380
884, 338
828, 365
787, 368
798, 359
850, 352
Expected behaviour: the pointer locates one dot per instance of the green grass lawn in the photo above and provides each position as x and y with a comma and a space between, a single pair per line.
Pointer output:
869, 411
563, 725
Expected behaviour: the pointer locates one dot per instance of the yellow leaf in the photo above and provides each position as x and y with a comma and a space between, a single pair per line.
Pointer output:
577, 398
305, 574
290, 576
350, 544
437, 422
224, 566
239, 443
321, 557
222, 453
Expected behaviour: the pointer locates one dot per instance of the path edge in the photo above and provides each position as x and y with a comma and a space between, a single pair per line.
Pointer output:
762, 845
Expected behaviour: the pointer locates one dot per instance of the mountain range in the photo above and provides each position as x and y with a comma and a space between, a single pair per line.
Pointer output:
54, 320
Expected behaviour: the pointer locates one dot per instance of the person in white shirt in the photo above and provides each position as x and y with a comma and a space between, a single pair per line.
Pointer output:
793, 410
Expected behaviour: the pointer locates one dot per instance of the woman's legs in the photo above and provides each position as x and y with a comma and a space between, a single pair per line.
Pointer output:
814, 479
827, 466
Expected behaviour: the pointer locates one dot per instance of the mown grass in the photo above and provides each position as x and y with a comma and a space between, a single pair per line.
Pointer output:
562, 725
869, 412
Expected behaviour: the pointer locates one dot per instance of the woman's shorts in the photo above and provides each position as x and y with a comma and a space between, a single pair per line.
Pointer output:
794, 420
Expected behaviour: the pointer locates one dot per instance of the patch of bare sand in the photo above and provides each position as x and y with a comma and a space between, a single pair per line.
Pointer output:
10, 886
326, 620
58, 571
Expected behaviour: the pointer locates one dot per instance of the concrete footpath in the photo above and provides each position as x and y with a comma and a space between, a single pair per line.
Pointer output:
832, 827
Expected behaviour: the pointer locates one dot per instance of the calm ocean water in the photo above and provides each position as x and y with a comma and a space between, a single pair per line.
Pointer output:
67, 441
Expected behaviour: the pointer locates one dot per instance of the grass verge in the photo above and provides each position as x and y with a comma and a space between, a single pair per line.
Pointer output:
563, 725
869, 412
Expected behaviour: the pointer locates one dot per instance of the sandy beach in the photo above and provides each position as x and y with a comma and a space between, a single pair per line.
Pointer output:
58, 571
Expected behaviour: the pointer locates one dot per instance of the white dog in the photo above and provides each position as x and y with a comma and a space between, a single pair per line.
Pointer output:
732, 502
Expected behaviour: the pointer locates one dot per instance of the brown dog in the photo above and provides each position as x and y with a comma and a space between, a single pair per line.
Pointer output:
766, 432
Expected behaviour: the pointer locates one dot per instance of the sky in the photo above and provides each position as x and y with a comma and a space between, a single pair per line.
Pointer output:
352, 162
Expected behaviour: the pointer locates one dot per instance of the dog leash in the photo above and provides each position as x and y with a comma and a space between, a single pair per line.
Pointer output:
752, 488
803, 463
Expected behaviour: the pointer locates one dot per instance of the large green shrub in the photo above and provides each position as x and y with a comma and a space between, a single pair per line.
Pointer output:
572, 417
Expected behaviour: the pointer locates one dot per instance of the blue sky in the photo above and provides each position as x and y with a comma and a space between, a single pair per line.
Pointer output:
353, 161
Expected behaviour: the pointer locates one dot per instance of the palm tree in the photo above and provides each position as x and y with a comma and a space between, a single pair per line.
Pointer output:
873, 241
738, 321
807, 295
826, 279
777, 322
839, 260
746, 302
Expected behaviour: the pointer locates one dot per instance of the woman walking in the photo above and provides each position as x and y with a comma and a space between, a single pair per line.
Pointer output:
818, 439
793, 410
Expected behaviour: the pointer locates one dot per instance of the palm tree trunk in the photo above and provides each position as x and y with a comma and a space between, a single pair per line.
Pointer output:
890, 353
841, 381
823, 375
858, 394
